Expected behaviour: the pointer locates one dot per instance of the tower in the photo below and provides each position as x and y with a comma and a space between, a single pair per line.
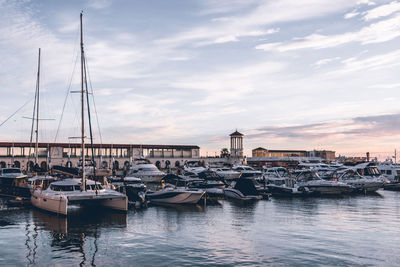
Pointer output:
236, 145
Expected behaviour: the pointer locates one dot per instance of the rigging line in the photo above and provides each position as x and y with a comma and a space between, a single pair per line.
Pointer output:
66, 98
94, 104
12, 115
68, 87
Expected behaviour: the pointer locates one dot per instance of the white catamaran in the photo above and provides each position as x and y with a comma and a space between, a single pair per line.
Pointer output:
62, 194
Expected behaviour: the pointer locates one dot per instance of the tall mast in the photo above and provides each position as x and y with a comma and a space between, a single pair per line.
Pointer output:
37, 113
82, 111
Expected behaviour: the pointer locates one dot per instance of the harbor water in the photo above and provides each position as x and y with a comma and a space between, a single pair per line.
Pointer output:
341, 231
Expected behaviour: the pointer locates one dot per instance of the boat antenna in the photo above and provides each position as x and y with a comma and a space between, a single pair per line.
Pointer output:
82, 109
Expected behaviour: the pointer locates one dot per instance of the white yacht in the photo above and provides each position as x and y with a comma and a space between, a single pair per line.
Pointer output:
360, 183
147, 172
194, 167
175, 195
389, 170
61, 195
227, 173
247, 171
309, 180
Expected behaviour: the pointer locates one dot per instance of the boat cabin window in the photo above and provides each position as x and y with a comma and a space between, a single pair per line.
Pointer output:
11, 171
93, 187
62, 187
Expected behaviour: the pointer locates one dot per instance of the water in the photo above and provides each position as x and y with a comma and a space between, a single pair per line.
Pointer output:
360, 230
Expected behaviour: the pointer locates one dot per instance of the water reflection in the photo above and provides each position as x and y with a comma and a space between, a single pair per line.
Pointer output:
72, 234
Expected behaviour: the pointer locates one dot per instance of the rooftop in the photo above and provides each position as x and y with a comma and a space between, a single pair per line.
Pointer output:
236, 133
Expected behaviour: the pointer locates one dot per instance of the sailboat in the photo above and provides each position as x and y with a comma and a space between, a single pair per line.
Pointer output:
61, 195
41, 180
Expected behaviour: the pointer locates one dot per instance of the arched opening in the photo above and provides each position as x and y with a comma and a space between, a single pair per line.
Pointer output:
3, 164
127, 165
177, 164
116, 165
69, 164
104, 164
17, 164
158, 164
167, 164
43, 165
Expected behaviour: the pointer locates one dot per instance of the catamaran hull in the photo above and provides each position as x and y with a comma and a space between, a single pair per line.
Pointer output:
60, 205
55, 205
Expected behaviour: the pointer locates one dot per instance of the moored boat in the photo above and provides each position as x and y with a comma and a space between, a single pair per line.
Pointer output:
68, 192
242, 189
13, 182
173, 195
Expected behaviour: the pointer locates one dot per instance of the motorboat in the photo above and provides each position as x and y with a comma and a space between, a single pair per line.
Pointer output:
242, 189
247, 171
389, 170
286, 186
369, 170
227, 173
61, 195
147, 172
193, 166
309, 180
175, 195
360, 183
13, 182
133, 187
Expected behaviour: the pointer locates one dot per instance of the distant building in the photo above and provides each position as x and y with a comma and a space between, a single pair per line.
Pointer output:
325, 154
262, 152
20, 154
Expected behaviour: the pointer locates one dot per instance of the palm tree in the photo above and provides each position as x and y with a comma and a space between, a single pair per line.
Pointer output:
225, 153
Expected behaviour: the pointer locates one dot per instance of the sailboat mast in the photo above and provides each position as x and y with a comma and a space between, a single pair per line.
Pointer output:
82, 111
37, 113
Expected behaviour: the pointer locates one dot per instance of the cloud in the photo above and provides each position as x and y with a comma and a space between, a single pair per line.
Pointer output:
99, 4
373, 126
325, 61
252, 21
382, 11
351, 15
378, 32
387, 60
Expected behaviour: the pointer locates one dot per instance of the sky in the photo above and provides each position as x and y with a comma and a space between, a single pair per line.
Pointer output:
288, 74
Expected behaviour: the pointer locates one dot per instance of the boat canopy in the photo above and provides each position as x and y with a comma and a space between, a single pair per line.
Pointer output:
246, 186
